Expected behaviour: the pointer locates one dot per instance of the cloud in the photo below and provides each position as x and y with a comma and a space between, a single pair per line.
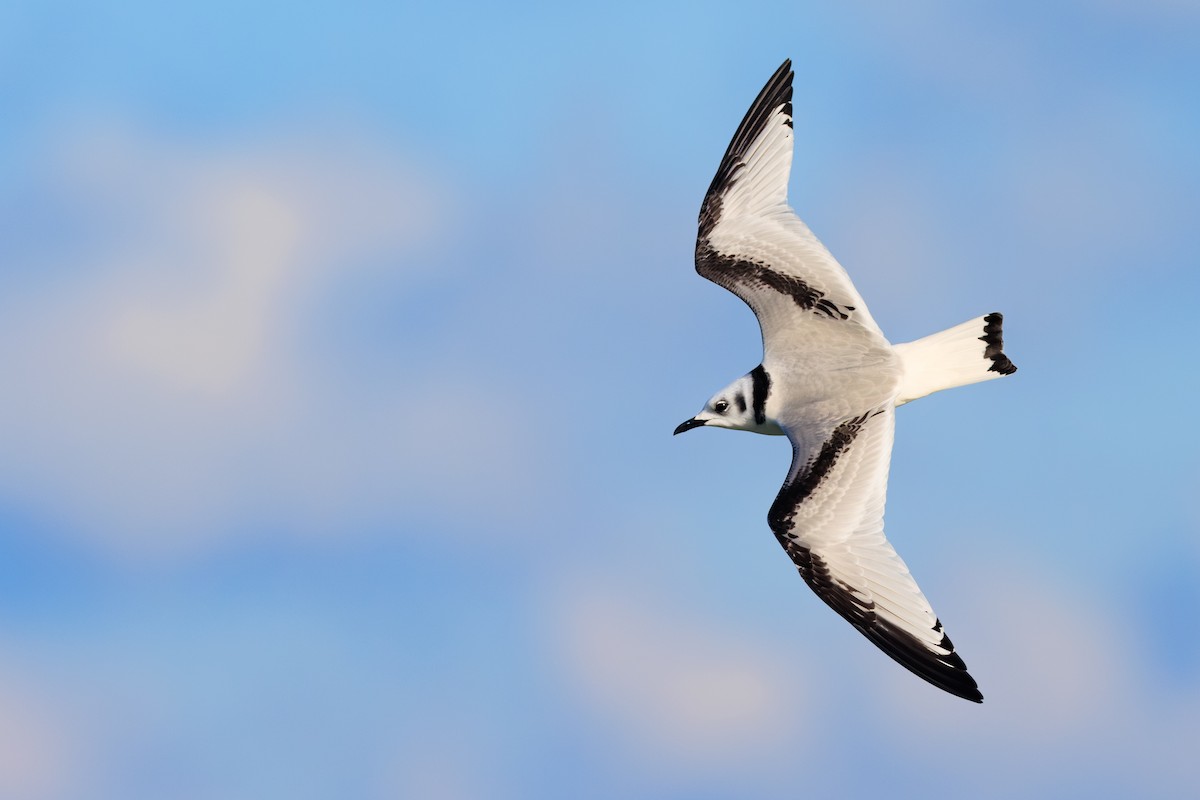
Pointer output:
1063, 680
1037, 653
39, 756
679, 689
166, 390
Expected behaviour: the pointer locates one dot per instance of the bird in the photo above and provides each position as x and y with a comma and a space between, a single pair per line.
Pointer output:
830, 381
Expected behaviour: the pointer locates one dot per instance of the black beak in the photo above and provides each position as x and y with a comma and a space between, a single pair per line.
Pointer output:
688, 425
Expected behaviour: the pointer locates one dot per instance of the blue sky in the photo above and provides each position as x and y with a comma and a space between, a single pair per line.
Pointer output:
343, 347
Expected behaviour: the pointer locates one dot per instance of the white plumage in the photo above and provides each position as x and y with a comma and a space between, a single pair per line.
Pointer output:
830, 381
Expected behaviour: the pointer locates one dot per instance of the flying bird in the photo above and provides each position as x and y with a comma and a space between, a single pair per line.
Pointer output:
829, 381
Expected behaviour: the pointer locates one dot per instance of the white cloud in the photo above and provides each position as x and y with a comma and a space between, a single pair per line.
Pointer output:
39, 757
1040, 656
446, 762
213, 338
680, 689
160, 394
1063, 681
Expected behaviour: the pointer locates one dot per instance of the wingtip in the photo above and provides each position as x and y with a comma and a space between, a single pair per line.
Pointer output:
993, 338
973, 694
775, 94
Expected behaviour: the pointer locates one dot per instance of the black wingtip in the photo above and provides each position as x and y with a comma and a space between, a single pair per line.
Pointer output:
993, 337
775, 93
945, 670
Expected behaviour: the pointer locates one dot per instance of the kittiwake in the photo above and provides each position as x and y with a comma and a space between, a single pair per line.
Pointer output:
831, 382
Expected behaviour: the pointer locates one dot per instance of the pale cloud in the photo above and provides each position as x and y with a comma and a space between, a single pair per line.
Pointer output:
679, 688
40, 758
446, 762
1063, 679
213, 338
215, 250
161, 396
1042, 657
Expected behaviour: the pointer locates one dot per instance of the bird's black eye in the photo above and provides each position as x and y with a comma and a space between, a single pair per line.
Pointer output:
720, 406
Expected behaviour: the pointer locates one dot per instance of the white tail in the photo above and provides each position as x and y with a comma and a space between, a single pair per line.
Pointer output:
967, 353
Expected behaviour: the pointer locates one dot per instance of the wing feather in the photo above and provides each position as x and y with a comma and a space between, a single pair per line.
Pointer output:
752, 243
829, 518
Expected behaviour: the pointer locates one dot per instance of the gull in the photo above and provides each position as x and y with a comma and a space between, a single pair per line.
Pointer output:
830, 382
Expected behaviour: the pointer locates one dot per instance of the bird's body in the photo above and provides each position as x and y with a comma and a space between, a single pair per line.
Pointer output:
830, 381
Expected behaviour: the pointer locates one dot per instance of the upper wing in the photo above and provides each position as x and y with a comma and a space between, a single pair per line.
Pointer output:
752, 243
829, 518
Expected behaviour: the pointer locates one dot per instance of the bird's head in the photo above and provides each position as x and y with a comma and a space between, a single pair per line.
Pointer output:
732, 407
